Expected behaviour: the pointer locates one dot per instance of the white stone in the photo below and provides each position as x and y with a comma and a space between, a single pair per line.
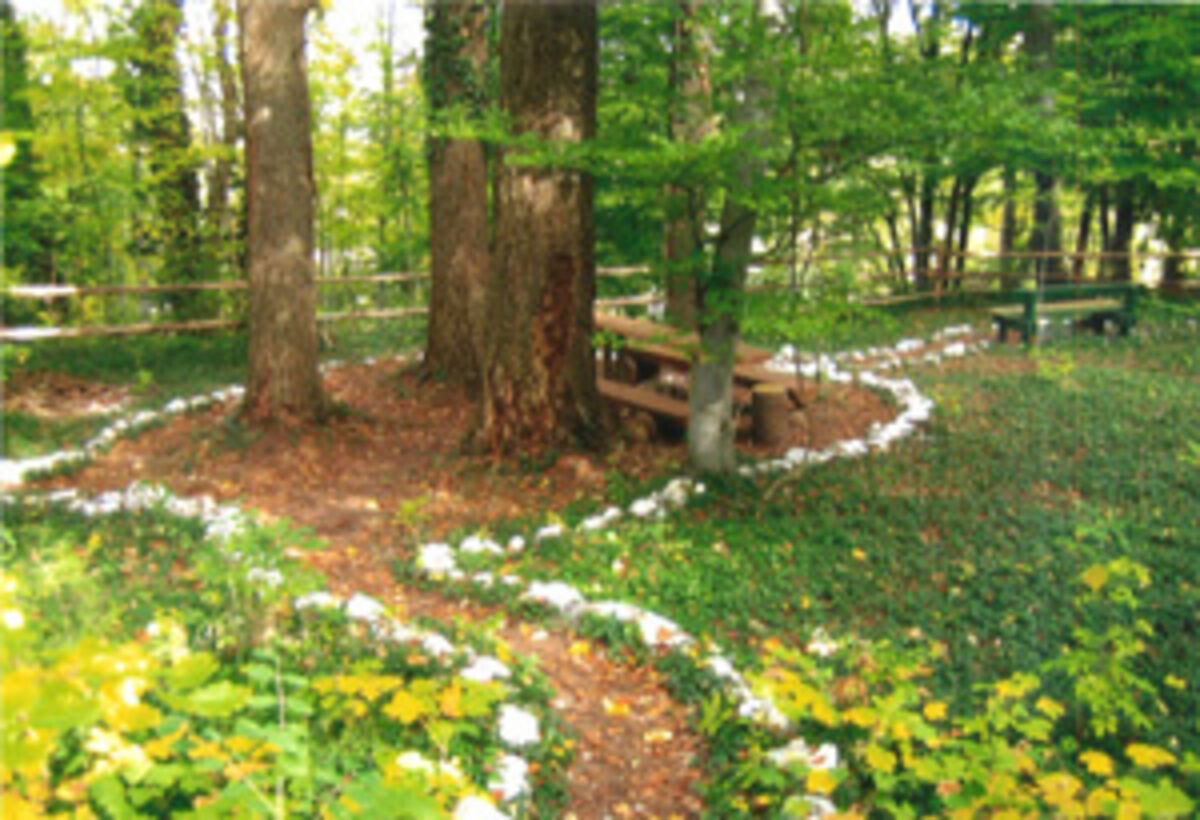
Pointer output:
435, 557
511, 778
473, 545
476, 807
364, 608
558, 594
518, 727
798, 752
484, 669
554, 530
643, 507
315, 600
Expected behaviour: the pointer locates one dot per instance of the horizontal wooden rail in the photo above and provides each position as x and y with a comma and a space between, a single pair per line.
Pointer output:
54, 291
33, 334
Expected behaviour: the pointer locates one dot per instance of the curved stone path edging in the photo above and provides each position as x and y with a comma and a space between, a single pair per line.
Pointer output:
438, 560
516, 726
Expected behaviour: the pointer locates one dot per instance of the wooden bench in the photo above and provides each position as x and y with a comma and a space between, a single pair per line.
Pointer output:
660, 405
1093, 305
663, 341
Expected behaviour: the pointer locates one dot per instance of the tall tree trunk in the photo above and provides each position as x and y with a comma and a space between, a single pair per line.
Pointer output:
690, 121
946, 253
1121, 269
924, 228
964, 227
540, 372
456, 53
1008, 231
1082, 235
711, 424
283, 382
1105, 222
219, 213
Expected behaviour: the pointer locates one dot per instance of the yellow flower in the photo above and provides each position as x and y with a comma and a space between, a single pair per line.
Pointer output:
820, 781
1149, 757
934, 710
881, 759
1097, 763
1095, 577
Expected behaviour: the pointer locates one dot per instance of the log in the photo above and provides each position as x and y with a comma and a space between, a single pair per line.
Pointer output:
771, 410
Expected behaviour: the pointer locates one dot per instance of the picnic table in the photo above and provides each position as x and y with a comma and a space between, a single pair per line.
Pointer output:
1093, 305
647, 366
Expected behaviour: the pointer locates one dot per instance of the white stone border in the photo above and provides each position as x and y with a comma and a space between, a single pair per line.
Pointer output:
438, 560
516, 726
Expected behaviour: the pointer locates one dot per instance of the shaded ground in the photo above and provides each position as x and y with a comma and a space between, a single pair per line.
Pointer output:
388, 475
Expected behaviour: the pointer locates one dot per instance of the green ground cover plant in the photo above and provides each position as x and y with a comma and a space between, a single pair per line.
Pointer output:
1039, 467
151, 670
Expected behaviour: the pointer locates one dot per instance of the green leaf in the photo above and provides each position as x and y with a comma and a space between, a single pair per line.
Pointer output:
60, 705
192, 671
109, 794
216, 700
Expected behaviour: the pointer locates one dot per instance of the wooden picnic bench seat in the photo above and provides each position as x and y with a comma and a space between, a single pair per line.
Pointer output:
663, 340
1094, 305
660, 405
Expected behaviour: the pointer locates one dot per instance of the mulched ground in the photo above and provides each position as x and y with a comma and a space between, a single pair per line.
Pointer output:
390, 474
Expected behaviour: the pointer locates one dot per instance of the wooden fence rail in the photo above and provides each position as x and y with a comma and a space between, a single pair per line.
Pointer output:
939, 278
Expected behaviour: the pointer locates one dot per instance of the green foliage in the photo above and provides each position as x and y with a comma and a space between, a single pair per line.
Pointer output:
149, 671
1011, 747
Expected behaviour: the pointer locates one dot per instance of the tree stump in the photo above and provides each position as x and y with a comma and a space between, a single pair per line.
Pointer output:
771, 411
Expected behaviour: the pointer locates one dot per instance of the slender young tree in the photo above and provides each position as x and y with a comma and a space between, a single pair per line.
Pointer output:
456, 55
539, 375
284, 382
711, 424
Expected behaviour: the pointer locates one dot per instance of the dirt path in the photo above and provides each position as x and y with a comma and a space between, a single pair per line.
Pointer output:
387, 476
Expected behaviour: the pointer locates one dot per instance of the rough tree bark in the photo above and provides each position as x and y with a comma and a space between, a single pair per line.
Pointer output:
456, 53
284, 382
539, 376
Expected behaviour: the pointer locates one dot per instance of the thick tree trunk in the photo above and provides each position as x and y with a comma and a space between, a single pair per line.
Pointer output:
283, 382
690, 122
539, 376
458, 180
924, 231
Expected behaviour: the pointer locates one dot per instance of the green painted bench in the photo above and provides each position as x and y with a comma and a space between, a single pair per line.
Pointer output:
1092, 305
